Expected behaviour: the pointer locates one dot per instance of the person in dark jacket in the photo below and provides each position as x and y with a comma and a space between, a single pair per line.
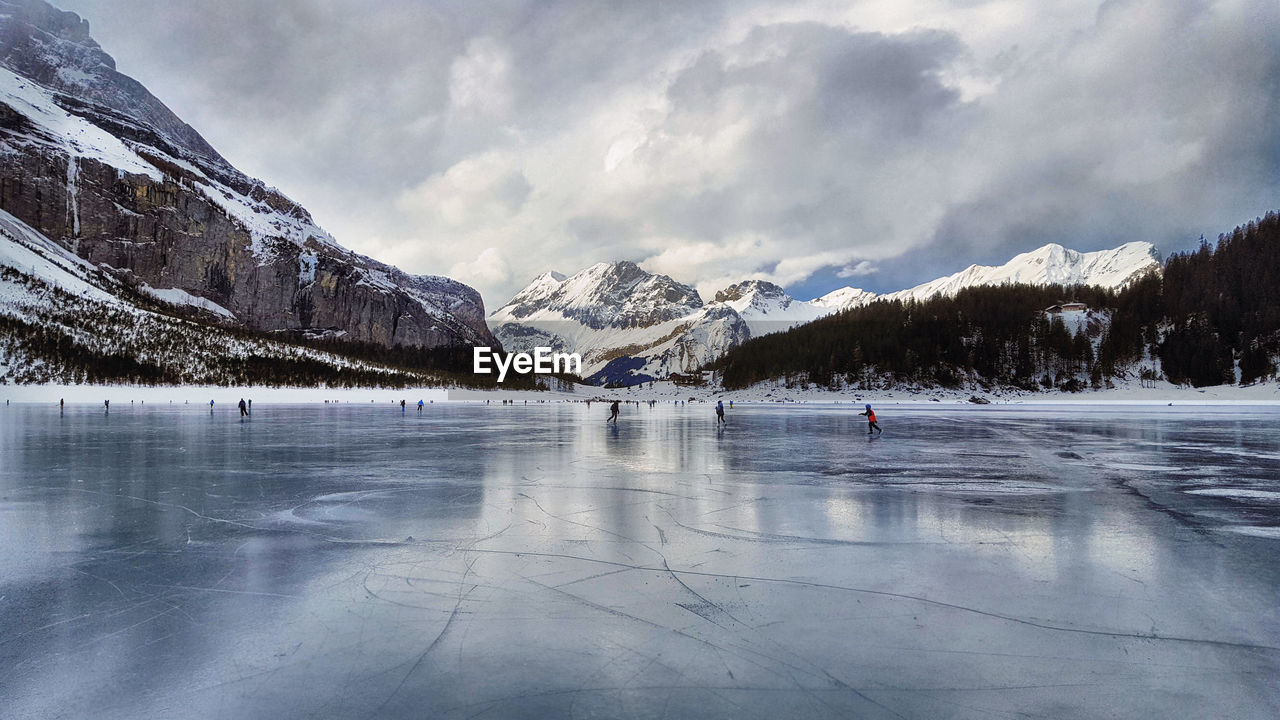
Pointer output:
243, 409
613, 413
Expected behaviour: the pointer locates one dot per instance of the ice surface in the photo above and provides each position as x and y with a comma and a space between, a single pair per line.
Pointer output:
497, 561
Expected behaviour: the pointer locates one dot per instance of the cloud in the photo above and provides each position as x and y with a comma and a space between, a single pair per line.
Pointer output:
481, 190
864, 267
479, 80
888, 140
488, 268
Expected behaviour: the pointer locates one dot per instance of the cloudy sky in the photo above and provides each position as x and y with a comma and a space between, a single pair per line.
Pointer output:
815, 144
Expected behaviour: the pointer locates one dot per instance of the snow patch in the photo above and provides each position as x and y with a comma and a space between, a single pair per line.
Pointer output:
73, 191
178, 296
26, 250
263, 222
73, 134
75, 76
307, 263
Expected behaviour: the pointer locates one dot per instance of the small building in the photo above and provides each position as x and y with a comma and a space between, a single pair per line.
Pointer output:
1066, 307
689, 379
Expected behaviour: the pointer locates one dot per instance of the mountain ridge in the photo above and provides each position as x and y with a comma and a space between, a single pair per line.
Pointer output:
670, 341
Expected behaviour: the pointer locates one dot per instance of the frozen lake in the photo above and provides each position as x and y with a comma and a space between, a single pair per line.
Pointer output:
528, 561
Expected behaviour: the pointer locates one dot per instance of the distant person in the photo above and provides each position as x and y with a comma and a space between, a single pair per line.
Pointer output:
244, 409
402, 406
872, 425
210, 406
730, 404
250, 406
613, 413
106, 404
419, 406
62, 402
720, 413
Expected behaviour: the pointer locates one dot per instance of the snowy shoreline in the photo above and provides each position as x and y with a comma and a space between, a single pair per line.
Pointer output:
1163, 394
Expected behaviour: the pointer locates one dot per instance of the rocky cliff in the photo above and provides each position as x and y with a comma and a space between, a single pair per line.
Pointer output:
90, 159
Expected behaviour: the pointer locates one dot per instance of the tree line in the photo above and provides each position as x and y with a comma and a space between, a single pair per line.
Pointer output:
1211, 317
71, 339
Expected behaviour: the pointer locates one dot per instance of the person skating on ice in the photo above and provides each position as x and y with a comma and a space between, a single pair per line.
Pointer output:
613, 413
872, 425
720, 413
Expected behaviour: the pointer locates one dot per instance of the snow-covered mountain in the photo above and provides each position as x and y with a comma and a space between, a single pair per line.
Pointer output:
767, 308
64, 320
631, 326
1048, 265
845, 297
90, 160
605, 295
624, 321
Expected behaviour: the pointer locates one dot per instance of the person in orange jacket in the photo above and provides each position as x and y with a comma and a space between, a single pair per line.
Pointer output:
872, 425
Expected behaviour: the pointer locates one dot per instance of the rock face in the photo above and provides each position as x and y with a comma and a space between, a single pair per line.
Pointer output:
90, 159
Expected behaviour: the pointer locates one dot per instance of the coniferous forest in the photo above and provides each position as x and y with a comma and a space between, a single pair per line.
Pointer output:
1212, 318
66, 338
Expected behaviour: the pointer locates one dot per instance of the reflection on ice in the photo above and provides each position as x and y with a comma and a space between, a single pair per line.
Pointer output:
530, 561
1242, 493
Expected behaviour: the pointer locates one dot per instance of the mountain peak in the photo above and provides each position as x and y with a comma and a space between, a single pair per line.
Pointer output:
845, 297
607, 294
53, 47
60, 24
97, 163
740, 290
